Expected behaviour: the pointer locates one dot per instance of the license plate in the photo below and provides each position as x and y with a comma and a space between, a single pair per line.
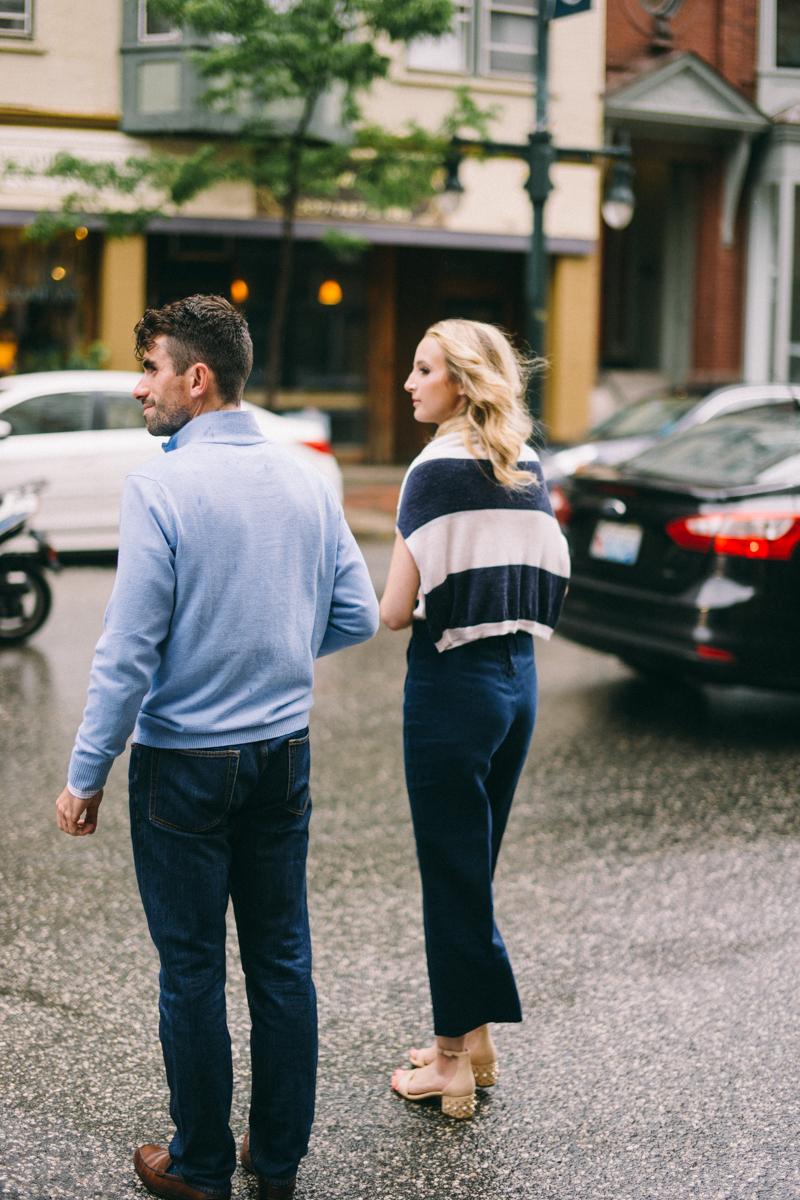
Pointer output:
616, 543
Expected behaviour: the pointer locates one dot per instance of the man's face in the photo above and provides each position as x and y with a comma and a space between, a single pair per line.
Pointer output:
167, 401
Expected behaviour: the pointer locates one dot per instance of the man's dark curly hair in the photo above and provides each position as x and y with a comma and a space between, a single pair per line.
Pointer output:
203, 329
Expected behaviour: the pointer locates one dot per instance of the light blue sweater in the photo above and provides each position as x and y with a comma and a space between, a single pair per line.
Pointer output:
236, 570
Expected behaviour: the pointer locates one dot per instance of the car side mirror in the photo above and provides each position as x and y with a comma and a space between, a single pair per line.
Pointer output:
5, 429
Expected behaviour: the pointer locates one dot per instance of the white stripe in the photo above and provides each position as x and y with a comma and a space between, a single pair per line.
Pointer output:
473, 633
450, 445
487, 537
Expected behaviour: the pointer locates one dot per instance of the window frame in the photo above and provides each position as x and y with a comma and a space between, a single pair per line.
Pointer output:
151, 39
768, 44
465, 15
486, 47
478, 14
27, 17
794, 70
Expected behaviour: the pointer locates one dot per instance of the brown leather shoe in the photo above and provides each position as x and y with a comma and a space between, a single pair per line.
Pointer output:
266, 1191
152, 1164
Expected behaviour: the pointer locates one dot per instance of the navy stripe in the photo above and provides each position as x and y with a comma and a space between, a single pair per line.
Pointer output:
489, 594
450, 485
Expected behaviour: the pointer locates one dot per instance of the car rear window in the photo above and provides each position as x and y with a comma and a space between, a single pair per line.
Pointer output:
727, 452
654, 416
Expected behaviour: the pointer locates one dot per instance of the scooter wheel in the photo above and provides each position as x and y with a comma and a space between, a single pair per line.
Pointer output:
25, 601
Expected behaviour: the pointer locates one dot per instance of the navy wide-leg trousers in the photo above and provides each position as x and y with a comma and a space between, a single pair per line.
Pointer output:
469, 714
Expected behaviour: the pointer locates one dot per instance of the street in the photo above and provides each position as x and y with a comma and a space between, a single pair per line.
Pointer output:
647, 891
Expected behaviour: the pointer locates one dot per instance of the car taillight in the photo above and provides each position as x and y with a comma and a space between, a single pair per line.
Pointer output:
714, 653
562, 509
321, 447
746, 534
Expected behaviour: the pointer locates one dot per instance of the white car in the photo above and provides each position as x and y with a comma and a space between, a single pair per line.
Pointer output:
81, 433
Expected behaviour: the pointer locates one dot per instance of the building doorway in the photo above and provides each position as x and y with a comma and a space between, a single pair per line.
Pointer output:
649, 273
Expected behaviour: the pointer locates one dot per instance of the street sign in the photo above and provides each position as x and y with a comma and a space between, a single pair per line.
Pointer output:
565, 8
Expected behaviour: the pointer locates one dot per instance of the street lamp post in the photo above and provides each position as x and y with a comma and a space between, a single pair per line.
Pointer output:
539, 153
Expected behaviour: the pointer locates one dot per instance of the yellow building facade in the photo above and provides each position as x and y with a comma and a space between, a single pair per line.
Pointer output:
63, 91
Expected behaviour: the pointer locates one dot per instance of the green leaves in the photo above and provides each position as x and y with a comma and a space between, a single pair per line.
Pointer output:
149, 184
276, 62
257, 52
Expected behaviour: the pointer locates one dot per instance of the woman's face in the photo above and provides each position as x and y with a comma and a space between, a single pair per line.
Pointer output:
435, 395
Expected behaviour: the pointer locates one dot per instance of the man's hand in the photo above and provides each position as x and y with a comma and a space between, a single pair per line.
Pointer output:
69, 809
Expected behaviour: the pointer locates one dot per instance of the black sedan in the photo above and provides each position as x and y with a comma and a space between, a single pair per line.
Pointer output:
685, 559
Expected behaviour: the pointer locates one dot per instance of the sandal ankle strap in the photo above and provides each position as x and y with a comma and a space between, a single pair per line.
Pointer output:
453, 1053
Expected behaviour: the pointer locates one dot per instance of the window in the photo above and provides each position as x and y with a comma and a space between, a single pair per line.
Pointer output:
158, 86
489, 37
655, 415
152, 27
123, 412
66, 413
511, 38
451, 53
787, 42
16, 18
730, 451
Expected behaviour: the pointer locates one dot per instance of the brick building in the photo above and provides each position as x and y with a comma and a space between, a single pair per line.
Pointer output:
682, 86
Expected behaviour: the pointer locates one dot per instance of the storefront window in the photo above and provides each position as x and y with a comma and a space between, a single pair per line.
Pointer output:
324, 359
47, 302
787, 49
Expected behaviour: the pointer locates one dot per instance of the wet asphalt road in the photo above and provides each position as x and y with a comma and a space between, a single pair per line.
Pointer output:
648, 892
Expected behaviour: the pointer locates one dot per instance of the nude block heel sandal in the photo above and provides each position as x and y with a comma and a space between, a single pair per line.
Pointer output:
486, 1074
458, 1098
485, 1066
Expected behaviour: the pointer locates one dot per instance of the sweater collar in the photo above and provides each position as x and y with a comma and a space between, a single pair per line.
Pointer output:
234, 427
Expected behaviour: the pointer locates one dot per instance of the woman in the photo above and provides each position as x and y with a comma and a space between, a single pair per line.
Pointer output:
479, 565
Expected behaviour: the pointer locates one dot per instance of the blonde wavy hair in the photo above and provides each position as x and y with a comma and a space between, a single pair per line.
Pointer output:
493, 377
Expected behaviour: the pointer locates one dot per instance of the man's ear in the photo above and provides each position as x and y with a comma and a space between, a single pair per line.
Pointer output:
200, 380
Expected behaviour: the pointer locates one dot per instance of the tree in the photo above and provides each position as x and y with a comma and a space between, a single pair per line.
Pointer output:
300, 51
295, 54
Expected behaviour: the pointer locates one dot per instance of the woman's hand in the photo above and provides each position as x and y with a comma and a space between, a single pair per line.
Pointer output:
402, 587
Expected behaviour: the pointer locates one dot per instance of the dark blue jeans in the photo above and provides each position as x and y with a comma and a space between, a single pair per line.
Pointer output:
468, 718
206, 825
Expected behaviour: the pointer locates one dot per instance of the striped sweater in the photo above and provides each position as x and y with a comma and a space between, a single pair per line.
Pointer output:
492, 560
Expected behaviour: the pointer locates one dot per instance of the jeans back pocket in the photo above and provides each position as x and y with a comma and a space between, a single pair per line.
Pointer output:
191, 790
298, 792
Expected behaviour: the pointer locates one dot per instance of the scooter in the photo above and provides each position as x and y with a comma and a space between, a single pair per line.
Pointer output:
25, 595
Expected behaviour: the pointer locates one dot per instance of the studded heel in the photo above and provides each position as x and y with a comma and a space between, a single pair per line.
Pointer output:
458, 1097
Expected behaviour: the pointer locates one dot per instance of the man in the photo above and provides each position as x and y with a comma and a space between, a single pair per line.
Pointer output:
236, 570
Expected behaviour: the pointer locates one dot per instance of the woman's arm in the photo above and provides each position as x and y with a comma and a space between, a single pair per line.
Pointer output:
400, 597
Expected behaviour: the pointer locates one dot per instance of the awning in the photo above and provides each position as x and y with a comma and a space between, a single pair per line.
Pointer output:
376, 232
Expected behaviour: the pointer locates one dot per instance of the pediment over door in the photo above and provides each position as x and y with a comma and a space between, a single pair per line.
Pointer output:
683, 98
